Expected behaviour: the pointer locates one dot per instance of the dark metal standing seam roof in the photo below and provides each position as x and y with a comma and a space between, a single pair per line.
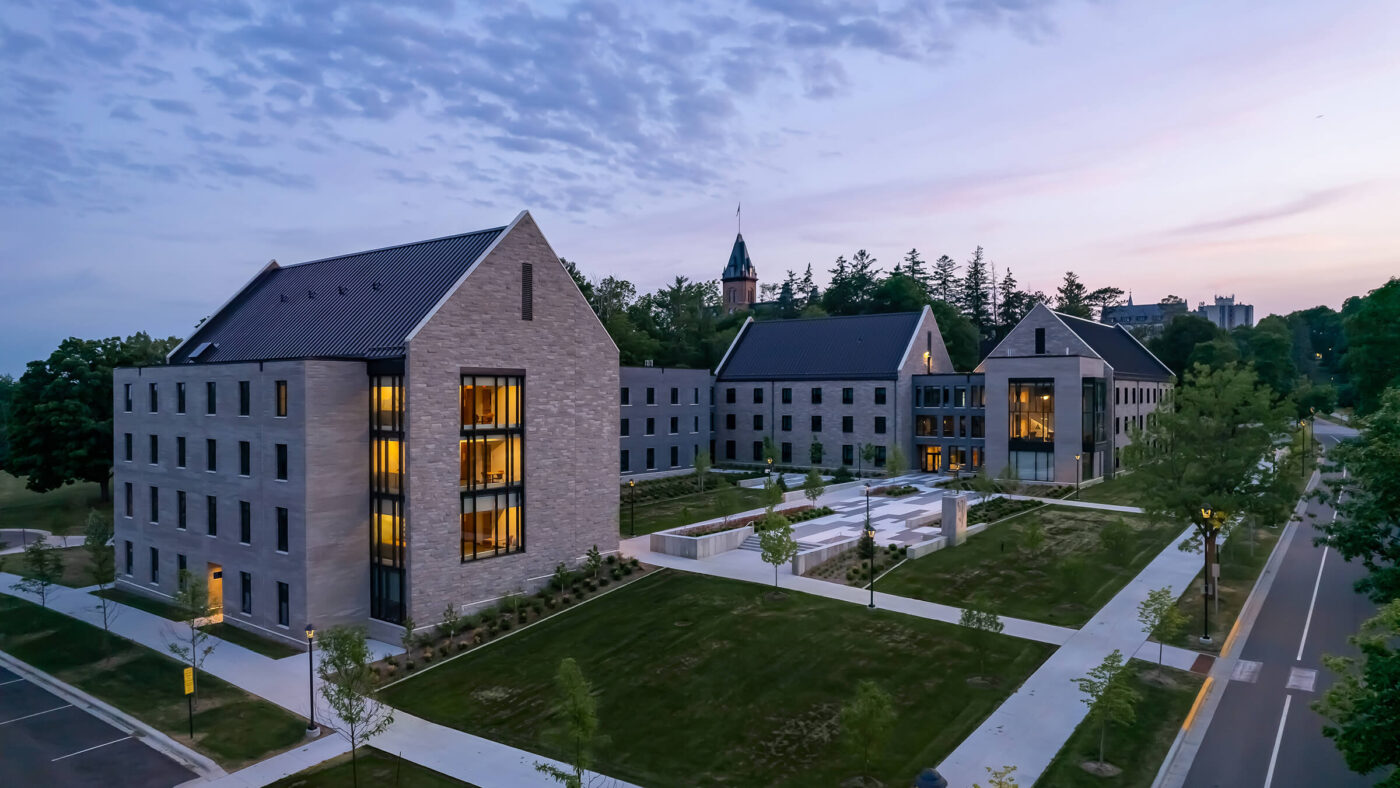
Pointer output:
359, 305
860, 347
739, 265
1118, 347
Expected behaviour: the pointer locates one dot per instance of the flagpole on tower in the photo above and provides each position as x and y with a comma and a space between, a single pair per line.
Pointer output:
739, 217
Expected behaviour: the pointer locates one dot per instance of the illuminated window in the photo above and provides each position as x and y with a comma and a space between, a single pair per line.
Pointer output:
491, 403
492, 465
280, 394
1031, 411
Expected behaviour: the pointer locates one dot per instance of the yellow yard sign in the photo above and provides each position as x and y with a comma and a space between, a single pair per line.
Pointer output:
189, 681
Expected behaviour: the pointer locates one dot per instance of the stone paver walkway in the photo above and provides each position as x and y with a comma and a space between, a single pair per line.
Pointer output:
19, 538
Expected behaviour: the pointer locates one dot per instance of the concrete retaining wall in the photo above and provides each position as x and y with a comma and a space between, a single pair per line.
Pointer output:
705, 546
804, 561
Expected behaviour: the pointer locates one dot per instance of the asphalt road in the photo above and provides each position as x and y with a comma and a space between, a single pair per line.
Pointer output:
1264, 732
45, 741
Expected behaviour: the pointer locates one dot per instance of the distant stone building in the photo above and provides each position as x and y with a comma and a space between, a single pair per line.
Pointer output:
740, 278
1148, 319
1226, 313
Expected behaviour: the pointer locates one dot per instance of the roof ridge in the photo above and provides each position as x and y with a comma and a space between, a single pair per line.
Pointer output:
393, 246
833, 317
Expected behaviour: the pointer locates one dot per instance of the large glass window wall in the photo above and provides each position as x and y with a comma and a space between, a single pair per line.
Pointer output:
1031, 410
387, 549
492, 466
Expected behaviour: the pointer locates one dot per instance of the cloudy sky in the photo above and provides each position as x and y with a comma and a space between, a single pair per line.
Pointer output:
155, 153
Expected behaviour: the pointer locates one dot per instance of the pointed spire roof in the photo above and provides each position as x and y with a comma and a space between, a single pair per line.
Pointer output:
740, 266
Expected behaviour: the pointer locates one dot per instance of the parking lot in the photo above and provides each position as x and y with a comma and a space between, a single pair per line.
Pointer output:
44, 740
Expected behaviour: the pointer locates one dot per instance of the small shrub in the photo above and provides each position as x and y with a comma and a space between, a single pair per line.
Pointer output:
443, 649
611, 559
505, 624
550, 604
463, 645
591, 585
392, 671
427, 656
537, 606
566, 600
408, 665
627, 569
392, 661
634, 563
489, 615
617, 574
602, 581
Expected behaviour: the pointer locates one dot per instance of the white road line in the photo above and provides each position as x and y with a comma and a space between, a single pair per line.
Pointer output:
90, 749
11, 681
1308, 622
1278, 739
37, 713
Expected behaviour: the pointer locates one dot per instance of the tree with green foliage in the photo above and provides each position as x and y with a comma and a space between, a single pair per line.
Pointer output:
347, 685
1013, 303
983, 626
867, 452
772, 494
1008, 481
1072, 298
187, 639
1116, 539
593, 562
1367, 526
770, 451
1161, 618
1221, 351
702, 467
1033, 537
43, 568
777, 543
1179, 340
813, 486
1372, 323
1205, 459
974, 294
959, 336
1363, 705
7, 397
894, 461
1109, 697
914, 269
102, 565
1104, 297
866, 724
816, 452
1268, 347
575, 728
727, 499
945, 282
983, 484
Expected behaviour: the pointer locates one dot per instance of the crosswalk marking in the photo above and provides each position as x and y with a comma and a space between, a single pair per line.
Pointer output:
1302, 679
1246, 670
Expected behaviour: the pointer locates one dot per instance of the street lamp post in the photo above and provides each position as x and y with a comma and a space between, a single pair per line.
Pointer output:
1205, 598
632, 505
1078, 472
310, 677
770, 466
870, 536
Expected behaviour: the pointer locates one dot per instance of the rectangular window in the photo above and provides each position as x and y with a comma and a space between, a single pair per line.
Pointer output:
245, 522
879, 395
245, 593
785, 453
787, 396
180, 397
155, 450
126, 446
282, 529
126, 398
651, 426
282, 462
926, 426
493, 462
848, 424
729, 452
1033, 465
848, 396
979, 427
1032, 410
651, 459
694, 424
211, 509
155, 505
729, 395
933, 396
245, 398
279, 394
1040, 341
675, 456
675, 396
180, 451
758, 451
155, 399
182, 570
758, 421
626, 427
959, 396
879, 425
127, 553
816, 424
626, 461
695, 397
816, 395
947, 426
848, 454
675, 425
284, 614
211, 454
245, 458
527, 291
962, 426
155, 566
626, 396
181, 520
879, 456
651, 395
211, 404
729, 419
787, 423
758, 396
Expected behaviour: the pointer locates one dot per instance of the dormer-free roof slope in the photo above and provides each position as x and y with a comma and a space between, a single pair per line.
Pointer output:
355, 306
1117, 345
859, 347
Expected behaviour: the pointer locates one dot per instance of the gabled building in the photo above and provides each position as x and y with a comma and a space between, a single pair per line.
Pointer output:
372, 437
1149, 319
820, 389
739, 280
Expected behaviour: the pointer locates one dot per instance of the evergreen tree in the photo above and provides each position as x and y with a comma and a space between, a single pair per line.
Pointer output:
944, 283
788, 304
807, 288
975, 302
915, 269
1071, 297
1013, 307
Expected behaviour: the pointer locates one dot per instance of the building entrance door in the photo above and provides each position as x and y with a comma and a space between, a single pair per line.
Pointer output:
216, 591
929, 458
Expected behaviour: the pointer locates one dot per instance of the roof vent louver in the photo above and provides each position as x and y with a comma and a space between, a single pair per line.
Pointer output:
204, 349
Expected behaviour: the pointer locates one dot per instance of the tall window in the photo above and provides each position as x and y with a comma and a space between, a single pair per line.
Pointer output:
626, 427
758, 421
816, 424
155, 450
848, 396
155, 399
280, 395
1032, 410
245, 592
675, 396
848, 454
245, 398
126, 446
284, 614
651, 426
651, 395
848, 424
492, 465
787, 396
282, 462
282, 529
1040, 341
879, 425
211, 508
386, 570
180, 397
180, 519
182, 568
126, 399
127, 553
757, 396
180, 451
245, 458
879, 395
211, 403
155, 566
155, 505
245, 522
816, 395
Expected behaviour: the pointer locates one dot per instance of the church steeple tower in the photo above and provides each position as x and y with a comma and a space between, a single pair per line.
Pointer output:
740, 278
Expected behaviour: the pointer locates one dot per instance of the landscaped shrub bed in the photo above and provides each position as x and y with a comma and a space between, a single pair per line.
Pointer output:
894, 491
852, 567
676, 486
997, 509
795, 514
566, 589
807, 513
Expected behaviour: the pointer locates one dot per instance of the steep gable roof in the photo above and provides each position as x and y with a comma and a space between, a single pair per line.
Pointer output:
1117, 345
361, 305
739, 265
859, 347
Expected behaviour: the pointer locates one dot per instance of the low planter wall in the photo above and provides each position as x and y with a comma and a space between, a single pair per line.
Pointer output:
924, 548
804, 561
705, 546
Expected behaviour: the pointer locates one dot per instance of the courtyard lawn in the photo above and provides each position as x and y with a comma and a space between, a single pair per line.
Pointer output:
686, 509
1065, 582
706, 681
1138, 749
1241, 561
276, 649
1121, 491
231, 726
61, 511
157, 607
77, 566
375, 768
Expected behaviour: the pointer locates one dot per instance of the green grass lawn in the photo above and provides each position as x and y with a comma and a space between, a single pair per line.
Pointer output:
1066, 583
672, 512
1240, 565
706, 681
254, 642
77, 566
158, 607
375, 768
1122, 491
61, 511
231, 726
1137, 749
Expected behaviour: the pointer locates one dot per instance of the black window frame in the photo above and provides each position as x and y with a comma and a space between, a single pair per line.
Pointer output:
155, 566
786, 395
180, 455
626, 397
758, 422
283, 529
245, 593
154, 449
280, 399
283, 462
848, 424
675, 395
651, 395
848, 395
816, 423
758, 395
729, 396
211, 455
245, 522
284, 603
211, 398
786, 423
127, 441
179, 396
154, 397
211, 515
245, 398
154, 505
129, 554
879, 425
245, 458
625, 428
181, 510
880, 395
481, 493
126, 397
816, 395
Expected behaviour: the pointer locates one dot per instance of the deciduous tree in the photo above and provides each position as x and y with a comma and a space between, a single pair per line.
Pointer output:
1108, 696
1372, 324
866, 724
1367, 526
813, 486
575, 729
102, 564
702, 467
43, 567
1363, 705
347, 684
1160, 617
186, 638
983, 625
777, 543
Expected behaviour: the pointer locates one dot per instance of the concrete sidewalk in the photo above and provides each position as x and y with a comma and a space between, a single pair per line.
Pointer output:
1107, 507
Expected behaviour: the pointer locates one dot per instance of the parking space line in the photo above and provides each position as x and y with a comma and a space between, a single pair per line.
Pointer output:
11, 681
90, 749
37, 713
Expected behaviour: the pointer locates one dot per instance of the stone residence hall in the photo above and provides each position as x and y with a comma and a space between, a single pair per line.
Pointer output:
372, 437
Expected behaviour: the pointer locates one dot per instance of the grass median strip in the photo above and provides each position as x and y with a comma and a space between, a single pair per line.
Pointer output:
231, 726
750, 683
375, 767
